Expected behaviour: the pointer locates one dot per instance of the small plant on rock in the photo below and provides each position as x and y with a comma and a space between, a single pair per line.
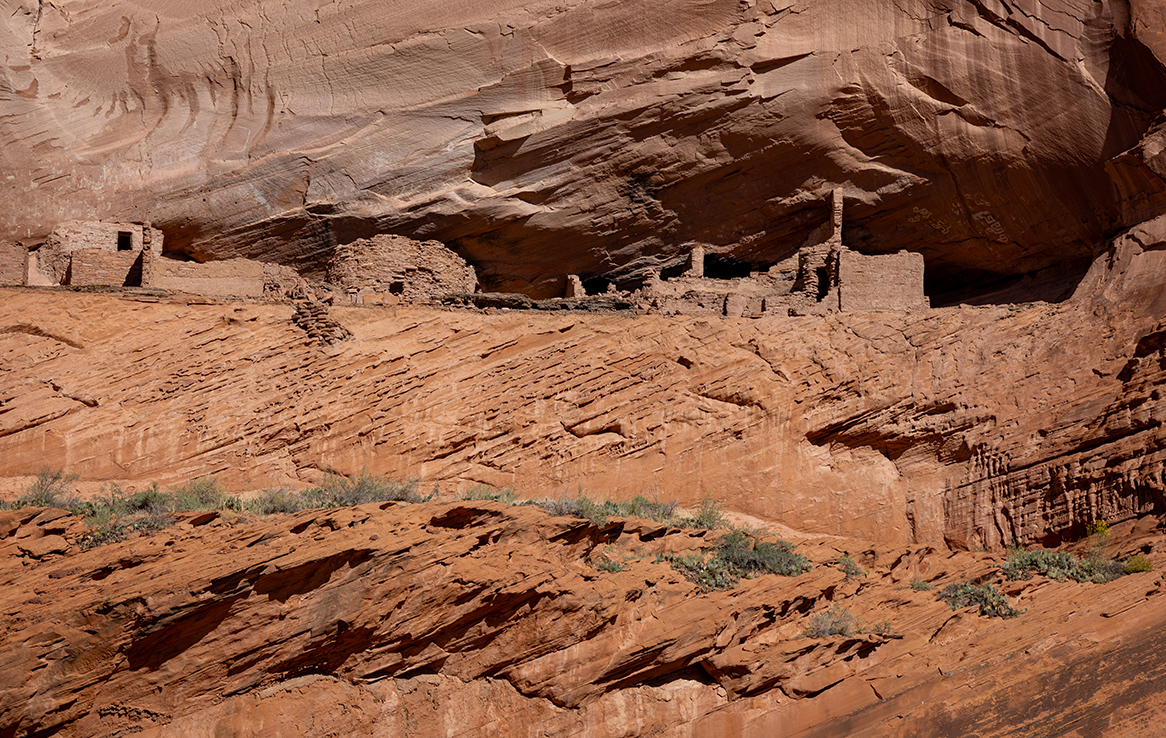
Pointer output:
849, 567
337, 490
922, 585
1137, 563
51, 489
990, 600
709, 516
737, 555
484, 492
837, 621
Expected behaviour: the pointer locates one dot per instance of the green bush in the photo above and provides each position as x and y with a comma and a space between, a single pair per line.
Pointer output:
849, 567
598, 511
337, 490
922, 585
709, 516
990, 600
736, 555
609, 566
707, 572
837, 621
1061, 565
750, 555
51, 489
206, 493
280, 500
1137, 563
483, 492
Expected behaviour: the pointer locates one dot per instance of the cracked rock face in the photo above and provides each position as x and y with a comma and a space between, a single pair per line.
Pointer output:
601, 139
482, 619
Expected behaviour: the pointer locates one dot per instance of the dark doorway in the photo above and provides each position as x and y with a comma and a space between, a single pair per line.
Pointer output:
823, 282
125, 241
717, 266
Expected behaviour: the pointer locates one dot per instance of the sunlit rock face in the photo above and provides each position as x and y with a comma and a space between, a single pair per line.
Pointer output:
542, 139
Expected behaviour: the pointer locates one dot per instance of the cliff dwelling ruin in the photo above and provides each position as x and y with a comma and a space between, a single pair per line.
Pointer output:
824, 276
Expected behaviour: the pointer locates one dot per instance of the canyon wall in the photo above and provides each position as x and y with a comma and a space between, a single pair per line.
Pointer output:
970, 427
545, 139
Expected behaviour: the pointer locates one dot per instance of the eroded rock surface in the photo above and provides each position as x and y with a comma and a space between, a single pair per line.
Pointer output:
477, 618
967, 427
544, 139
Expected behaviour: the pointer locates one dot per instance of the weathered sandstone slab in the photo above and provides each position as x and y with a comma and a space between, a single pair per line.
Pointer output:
480, 619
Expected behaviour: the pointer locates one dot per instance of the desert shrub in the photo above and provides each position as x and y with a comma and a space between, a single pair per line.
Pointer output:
645, 509
483, 492
580, 506
922, 585
337, 490
1061, 565
849, 567
279, 500
750, 555
881, 628
837, 621
1137, 563
738, 554
705, 571
51, 489
990, 600
609, 566
206, 493
709, 516
598, 511
1099, 532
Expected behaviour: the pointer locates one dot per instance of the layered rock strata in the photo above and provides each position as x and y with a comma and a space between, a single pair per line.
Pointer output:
480, 619
966, 426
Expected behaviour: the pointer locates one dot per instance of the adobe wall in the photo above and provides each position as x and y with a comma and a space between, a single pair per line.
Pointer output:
12, 257
419, 271
70, 236
93, 267
227, 278
891, 282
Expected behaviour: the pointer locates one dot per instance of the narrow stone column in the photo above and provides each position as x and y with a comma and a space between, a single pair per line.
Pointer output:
574, 287
696, 262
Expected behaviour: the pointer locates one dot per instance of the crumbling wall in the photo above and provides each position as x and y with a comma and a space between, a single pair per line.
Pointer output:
12, 258
226, 278
891, 282
93, 267
419, 271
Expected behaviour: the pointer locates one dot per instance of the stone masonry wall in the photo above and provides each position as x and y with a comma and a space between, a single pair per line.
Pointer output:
419, 271
90, 267
55, 254
892, 282
12, 256
227, 278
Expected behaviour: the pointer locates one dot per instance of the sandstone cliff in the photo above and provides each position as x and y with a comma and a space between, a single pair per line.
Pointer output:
964, 427
543, 139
